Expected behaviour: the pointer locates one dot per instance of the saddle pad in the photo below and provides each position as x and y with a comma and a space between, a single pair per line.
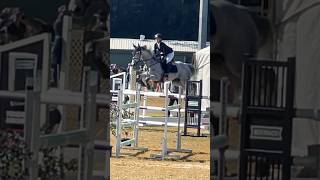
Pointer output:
172, 68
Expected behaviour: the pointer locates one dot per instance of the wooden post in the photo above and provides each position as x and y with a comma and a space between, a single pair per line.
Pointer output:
86, 151
90, 119
32, 130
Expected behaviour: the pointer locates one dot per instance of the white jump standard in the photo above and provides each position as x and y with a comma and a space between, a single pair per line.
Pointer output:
165, 150
135, 123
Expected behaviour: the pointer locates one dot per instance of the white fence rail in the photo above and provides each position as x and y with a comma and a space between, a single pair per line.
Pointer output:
84, 137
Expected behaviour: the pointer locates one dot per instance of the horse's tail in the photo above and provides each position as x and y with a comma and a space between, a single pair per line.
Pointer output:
264, 27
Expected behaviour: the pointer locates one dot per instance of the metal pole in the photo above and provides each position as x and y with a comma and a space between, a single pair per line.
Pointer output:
90, 119
118, 123
136, 116
179, 120
82, 149
132, 80
165, 135
223, 124
203, 24
124, 81
32, 130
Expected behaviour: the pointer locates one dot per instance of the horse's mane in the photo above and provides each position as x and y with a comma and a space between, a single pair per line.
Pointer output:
147, 49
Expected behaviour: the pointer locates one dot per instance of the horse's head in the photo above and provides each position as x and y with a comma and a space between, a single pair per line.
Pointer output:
78, 7
87, 12
140, 54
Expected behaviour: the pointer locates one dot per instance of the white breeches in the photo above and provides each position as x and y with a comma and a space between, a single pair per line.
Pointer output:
169, 57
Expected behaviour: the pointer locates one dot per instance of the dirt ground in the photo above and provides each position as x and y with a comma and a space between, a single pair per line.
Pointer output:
133, 166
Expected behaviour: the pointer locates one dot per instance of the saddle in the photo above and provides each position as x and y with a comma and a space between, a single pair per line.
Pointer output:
168, 68
172, 68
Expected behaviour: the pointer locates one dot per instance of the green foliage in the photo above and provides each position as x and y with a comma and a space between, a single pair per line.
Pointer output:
114, 115
53, 166
14, 152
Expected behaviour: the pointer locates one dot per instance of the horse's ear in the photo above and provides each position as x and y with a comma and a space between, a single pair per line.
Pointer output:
139, 45
134, 46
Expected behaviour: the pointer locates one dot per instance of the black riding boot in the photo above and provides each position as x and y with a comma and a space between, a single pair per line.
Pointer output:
169, 65
164, 67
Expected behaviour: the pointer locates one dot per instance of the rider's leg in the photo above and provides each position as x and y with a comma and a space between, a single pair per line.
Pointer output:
164, 66
169, 59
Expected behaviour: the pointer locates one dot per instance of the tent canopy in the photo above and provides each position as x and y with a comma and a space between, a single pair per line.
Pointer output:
201, 62
298, 36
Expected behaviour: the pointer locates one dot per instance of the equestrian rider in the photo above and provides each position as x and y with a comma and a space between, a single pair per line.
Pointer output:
17, 28
163, 51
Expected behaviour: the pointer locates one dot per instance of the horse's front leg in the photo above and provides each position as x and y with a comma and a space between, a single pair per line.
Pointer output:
143, 78
158, 87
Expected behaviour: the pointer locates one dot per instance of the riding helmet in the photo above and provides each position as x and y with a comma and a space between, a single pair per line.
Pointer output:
158, 35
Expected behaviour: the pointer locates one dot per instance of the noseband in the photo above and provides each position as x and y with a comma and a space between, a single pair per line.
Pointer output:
139, 59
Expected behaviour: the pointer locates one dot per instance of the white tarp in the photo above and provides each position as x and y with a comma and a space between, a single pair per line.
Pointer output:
201, 62
298, 36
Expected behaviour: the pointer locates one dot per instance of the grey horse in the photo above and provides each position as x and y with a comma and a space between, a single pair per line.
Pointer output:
238, 34
236, 31
33, 26
92, 16
154, 70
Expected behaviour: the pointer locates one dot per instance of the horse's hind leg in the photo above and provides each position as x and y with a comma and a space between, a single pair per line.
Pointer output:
158, 87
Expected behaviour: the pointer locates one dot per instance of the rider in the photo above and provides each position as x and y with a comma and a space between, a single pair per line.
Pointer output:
165, 52
17, 27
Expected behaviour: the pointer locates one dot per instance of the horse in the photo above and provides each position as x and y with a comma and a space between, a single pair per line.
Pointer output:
92, 16
235, 33
155, 72
238, 34
33, 26
85, 13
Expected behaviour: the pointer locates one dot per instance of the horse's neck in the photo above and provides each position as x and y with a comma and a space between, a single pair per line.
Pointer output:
150, 61
91, 7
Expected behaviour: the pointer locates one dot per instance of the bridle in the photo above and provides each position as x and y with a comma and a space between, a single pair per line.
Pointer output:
139, 59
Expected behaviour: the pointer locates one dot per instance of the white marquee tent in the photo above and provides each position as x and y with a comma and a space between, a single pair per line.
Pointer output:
201, 62
298, 28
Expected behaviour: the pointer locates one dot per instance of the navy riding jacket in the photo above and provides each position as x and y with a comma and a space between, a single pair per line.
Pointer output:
163, 49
